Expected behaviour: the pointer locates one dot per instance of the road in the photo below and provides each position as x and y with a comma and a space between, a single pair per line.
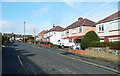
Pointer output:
10, 61
41, 60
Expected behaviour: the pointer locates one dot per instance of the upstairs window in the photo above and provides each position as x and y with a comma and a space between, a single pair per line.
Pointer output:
80, 29
67, 31
101, 28
74, 30
114, 25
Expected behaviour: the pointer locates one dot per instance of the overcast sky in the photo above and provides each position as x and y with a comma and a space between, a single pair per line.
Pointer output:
42, 15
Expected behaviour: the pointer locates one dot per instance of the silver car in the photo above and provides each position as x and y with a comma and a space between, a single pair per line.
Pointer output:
76, 46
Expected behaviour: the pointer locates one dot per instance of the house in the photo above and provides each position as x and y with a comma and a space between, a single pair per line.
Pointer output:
78, 29
54, 34
13, 36
108, 28
41, 36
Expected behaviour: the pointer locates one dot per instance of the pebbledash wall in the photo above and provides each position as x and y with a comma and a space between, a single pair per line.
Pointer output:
111, 30
105, 49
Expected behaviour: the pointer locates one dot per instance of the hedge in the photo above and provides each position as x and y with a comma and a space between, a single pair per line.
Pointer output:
89, 37
112, 45
54, 46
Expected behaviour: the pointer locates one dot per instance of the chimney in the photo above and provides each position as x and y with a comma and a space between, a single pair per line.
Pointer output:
53, 25
80, 18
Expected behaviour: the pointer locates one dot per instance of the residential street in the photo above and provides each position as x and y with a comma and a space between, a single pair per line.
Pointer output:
41, 60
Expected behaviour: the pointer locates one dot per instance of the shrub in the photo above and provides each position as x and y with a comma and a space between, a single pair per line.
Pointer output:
89, 37
112, 45
4, 39
54, 46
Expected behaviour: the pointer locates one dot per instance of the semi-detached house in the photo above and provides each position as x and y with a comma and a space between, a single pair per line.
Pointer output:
108, 29
78, 29
53, 35
41, 36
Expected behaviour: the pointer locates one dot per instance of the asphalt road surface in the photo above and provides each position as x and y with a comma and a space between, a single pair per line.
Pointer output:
41, 60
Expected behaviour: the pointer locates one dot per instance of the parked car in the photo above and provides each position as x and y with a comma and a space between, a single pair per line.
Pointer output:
45, 43
76, 46
64, 43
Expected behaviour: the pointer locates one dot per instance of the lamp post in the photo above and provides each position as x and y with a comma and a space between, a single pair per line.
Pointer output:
24, 31
34, 37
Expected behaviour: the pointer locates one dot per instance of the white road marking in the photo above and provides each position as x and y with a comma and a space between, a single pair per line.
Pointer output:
20, 60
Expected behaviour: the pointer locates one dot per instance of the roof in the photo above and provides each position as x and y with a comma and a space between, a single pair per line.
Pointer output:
56, 28
81, 22
111, 17
44, 31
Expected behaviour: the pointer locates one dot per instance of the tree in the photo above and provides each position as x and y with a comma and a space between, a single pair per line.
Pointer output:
89, 37
4, 39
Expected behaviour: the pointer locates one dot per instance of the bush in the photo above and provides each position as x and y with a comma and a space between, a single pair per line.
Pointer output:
54, 46
4, 39
89, 37
112, 45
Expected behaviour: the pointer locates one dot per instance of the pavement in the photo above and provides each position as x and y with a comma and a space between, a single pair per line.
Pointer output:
41, 60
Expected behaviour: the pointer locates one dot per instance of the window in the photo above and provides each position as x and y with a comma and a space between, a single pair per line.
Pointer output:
80, 29
67, 31
101, 28
74, 30
63, 33
53, 32
114, 25
114, 39
50, 33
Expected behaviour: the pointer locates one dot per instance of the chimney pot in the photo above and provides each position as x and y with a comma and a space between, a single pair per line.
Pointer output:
53, 25
80, 18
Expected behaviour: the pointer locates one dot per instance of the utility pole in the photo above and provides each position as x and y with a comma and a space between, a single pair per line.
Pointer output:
34, 37
24, 31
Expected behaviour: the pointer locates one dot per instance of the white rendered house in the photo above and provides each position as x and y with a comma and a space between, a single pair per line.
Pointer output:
108, 29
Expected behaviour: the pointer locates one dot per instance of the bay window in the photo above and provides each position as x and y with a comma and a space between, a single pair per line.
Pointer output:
74, 30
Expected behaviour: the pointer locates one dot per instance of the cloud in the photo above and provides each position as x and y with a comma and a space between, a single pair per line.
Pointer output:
69, 3
16, 27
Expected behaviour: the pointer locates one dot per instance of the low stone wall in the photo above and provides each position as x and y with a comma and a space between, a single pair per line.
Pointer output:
104, 49
101, 53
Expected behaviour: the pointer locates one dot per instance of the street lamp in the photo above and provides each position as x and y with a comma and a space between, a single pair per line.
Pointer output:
24, 31
34, 37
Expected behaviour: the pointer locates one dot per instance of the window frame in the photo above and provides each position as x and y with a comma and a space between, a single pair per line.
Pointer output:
101, 28
80, 28
73, 30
